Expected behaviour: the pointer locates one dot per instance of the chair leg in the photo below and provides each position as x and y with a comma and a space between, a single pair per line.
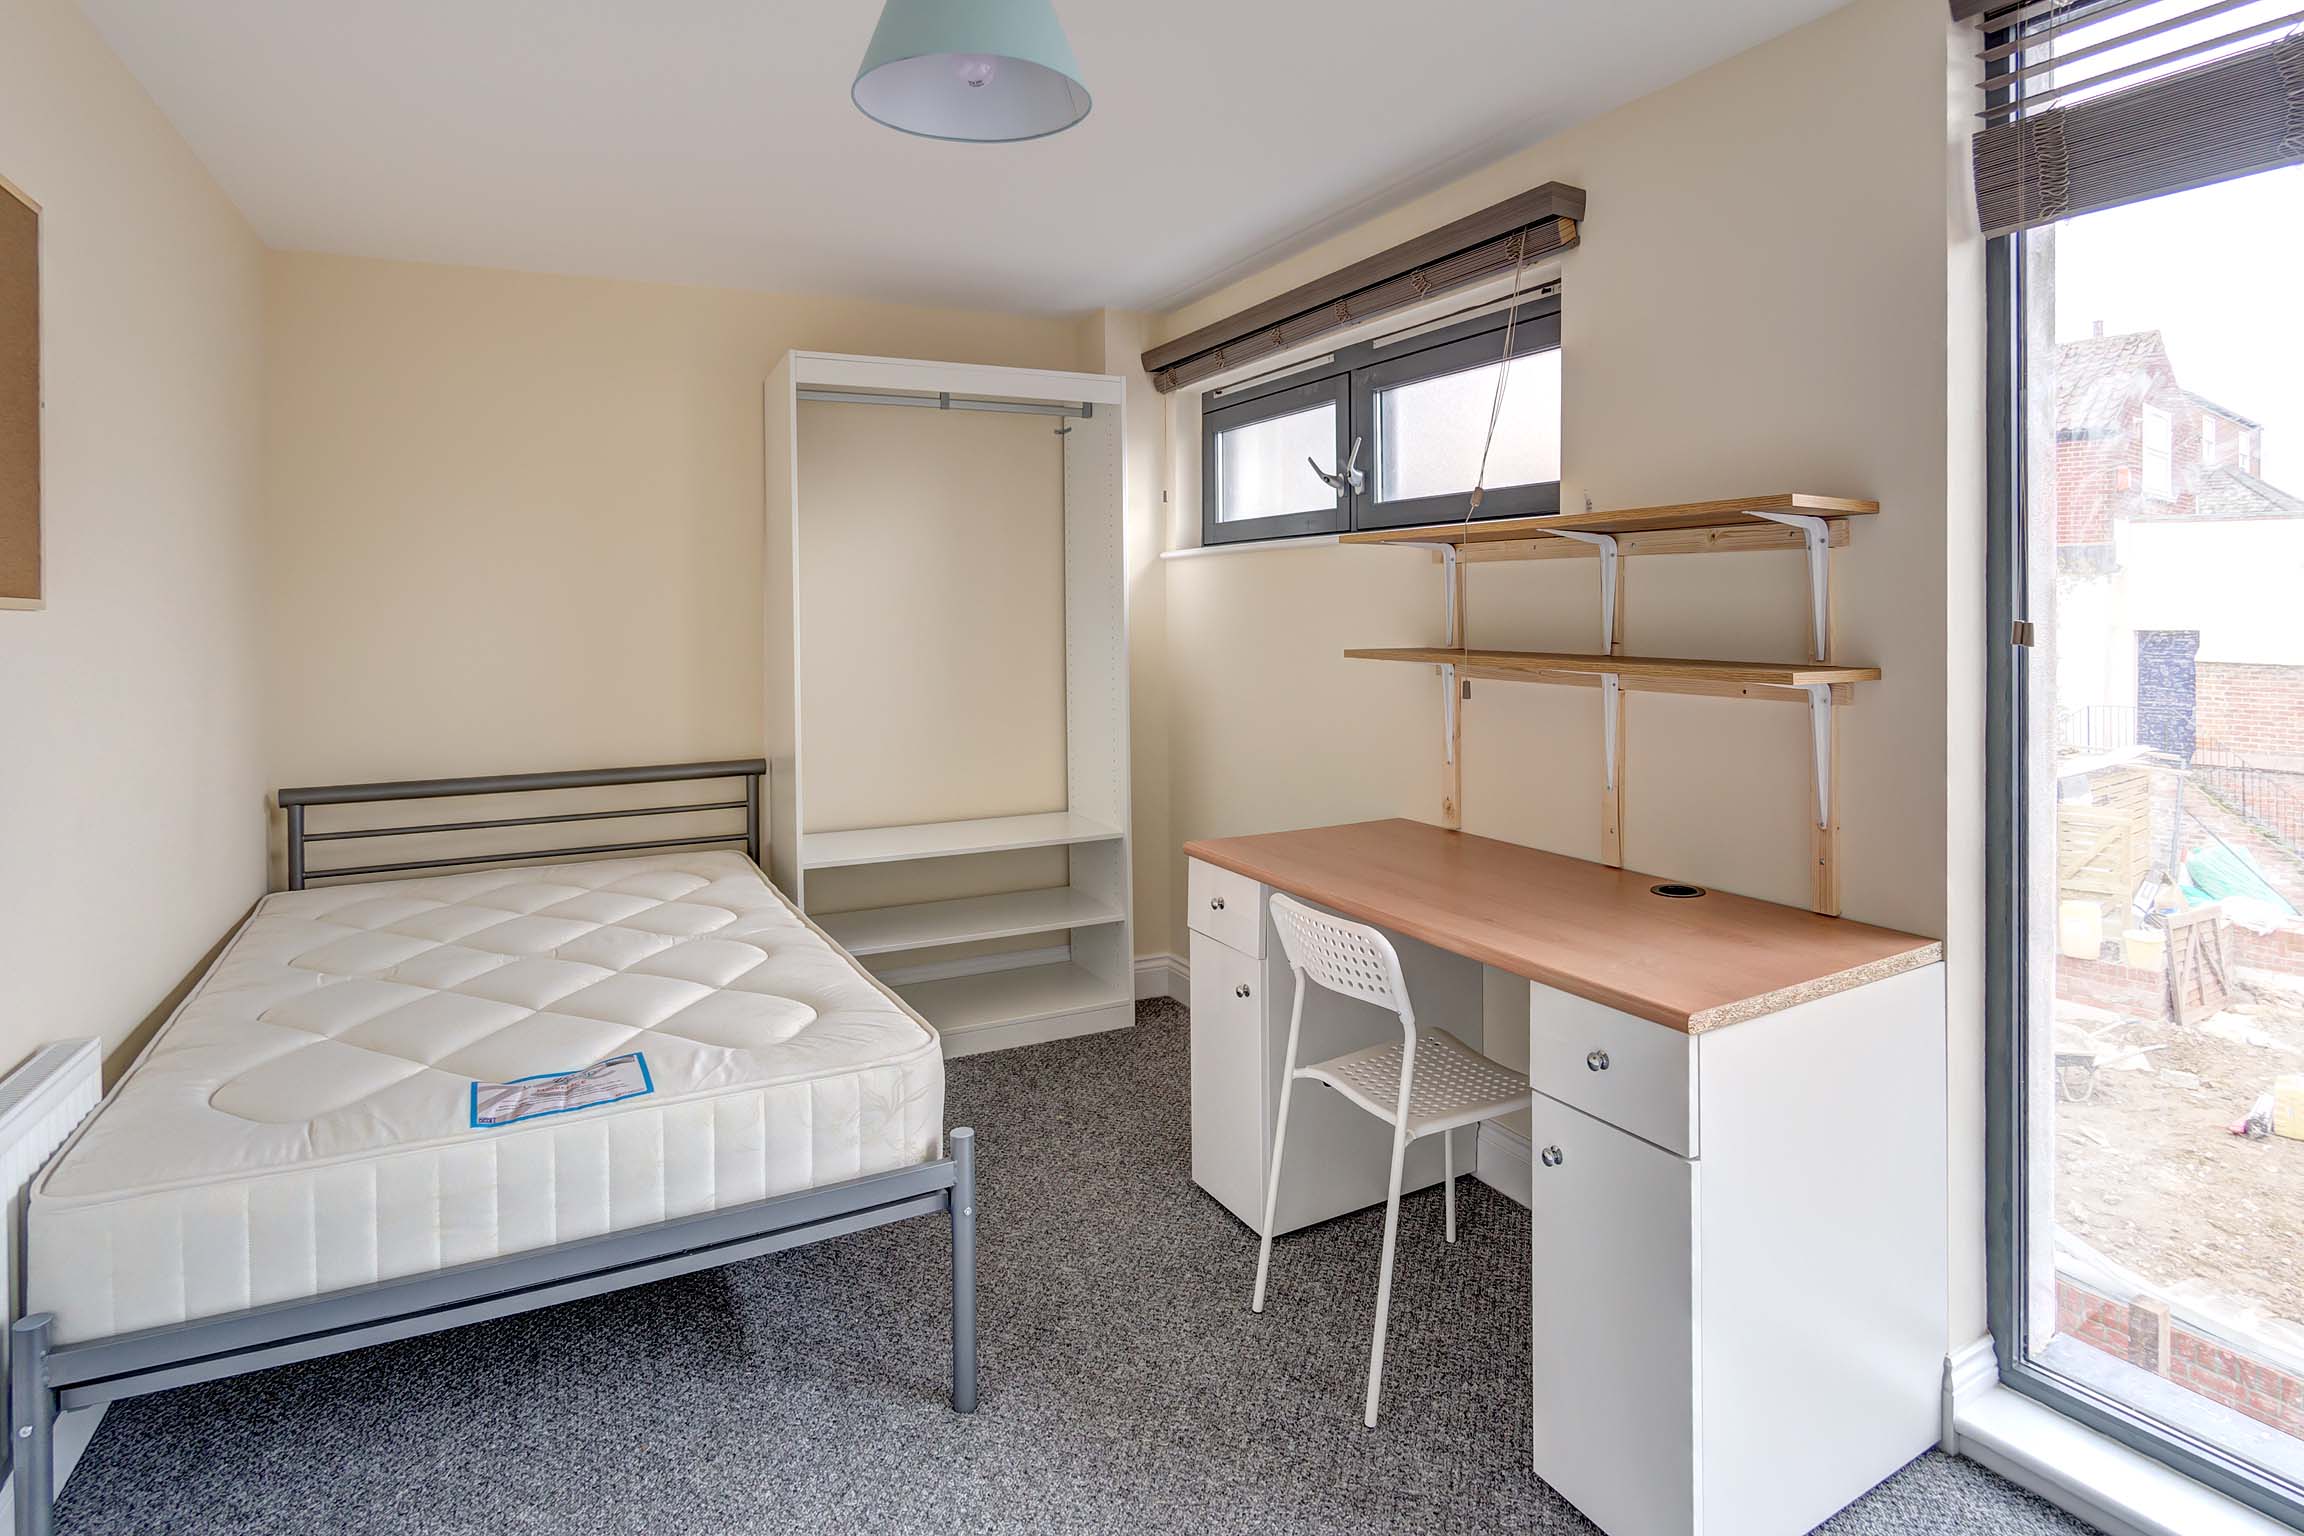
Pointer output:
1448, 1178
1384, 1273
1279, 1140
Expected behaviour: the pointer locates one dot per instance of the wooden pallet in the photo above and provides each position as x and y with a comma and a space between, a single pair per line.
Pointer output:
2199, 963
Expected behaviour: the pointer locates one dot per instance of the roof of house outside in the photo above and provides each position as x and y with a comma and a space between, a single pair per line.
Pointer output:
2098, 378
2213, 408
2225, 492
2099, 382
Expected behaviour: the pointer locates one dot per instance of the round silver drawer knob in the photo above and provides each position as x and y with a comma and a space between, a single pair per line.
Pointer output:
1597, 1061
1215, 903
1553, 1157
1240, 990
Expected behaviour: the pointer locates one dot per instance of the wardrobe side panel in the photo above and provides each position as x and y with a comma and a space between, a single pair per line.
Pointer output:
780, 661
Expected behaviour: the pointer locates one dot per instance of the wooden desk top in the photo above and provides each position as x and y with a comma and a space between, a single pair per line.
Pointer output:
1694, 964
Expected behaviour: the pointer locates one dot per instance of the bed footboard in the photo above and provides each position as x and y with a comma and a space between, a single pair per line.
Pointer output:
46, 1377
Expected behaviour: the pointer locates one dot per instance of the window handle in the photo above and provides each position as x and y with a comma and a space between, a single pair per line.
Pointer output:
1348, 478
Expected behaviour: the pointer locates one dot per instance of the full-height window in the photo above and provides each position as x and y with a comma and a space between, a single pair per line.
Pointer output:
2148, 748
1390, 433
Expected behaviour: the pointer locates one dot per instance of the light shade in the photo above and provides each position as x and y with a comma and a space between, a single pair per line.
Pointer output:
982, 70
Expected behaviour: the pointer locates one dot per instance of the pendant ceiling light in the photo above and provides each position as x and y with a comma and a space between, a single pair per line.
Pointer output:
982, 70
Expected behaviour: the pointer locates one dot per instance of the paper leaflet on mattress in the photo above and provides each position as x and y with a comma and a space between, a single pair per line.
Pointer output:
559, 1093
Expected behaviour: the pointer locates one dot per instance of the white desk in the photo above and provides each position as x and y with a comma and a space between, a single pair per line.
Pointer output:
1738, 1267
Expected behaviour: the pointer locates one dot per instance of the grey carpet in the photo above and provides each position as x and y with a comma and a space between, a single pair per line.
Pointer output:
1126, 1385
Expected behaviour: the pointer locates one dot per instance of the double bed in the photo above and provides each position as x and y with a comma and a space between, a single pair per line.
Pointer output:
393, 1106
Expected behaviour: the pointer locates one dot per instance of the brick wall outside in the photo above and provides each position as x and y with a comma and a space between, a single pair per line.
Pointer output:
2088, 485
2252, 710
2142, 1333
2280, 950
2125, 989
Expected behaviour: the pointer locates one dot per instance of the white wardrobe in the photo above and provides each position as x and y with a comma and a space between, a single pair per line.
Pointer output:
947, 685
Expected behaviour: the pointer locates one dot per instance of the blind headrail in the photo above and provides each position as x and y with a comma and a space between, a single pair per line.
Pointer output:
1529, 227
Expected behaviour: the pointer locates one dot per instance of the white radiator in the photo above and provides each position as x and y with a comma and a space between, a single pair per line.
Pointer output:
41, 1103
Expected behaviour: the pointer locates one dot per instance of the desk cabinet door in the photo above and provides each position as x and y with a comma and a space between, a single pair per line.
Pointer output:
1228, 1048
1613, 1287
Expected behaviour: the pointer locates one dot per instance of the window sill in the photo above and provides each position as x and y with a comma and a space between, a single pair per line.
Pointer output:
2092, 1476
1301, 541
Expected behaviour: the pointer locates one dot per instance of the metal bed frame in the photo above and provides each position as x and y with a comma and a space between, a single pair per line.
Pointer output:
46, 1378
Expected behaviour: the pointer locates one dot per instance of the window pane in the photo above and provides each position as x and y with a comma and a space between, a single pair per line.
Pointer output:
1262, 468
1429, 433
2165, 984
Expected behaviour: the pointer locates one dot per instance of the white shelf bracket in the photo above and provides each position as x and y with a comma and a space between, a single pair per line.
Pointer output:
1611, 711
1816, 534
1450, 574
1448, 711
1605, 543
1820, 729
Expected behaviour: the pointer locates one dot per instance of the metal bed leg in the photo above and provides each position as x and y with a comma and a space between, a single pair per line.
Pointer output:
963, 1270
32, 1413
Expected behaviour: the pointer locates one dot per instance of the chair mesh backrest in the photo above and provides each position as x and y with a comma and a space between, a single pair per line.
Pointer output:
1341, 955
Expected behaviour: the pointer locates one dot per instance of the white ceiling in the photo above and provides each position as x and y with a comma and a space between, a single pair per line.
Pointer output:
712, 141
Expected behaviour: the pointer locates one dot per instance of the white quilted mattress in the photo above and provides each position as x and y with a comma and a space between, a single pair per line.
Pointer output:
304, 1122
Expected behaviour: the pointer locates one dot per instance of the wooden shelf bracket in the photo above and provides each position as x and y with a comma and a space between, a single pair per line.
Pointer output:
1816, 534
1820, 727
1452, 688
1610, 554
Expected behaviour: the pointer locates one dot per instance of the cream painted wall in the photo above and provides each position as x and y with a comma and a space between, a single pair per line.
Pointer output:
1777, 289
514, 520
131, 766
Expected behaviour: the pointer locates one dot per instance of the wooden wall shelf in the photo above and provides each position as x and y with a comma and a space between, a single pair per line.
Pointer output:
1784, 520
1749, 513
1536, 665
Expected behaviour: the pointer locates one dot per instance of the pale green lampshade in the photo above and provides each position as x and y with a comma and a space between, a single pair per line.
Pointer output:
982, 70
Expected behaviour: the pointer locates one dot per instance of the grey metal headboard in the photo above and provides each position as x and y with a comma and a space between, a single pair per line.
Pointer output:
294, 801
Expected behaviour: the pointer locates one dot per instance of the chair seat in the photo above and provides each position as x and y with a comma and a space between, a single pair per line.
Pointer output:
1455, 1085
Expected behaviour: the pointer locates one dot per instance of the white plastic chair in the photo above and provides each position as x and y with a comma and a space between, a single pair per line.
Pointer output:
1419, 1088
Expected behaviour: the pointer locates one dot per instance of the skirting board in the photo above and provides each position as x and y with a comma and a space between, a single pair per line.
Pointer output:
2089, 1475
1164, 976
1501, 1162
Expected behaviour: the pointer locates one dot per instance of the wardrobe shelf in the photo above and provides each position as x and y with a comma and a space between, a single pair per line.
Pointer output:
950, 839
1691, 517
922, 925
1535, 665
958, 1004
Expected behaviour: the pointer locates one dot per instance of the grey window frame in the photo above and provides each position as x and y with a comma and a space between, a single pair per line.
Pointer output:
1456, 350
2008, 1023
1352, 376
1285, 397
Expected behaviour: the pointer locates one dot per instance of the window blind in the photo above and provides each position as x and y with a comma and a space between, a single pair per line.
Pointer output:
2088, 104
1524, 229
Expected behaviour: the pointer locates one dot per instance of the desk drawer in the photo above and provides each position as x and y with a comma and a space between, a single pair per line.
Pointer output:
1224, 906
1635, 1074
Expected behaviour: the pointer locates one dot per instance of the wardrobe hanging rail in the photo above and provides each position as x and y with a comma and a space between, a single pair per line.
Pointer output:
1085, 410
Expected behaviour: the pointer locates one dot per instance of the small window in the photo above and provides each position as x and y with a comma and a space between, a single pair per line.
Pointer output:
1258, 479
2207, 440
1428, 416
1388, 434
2159, 466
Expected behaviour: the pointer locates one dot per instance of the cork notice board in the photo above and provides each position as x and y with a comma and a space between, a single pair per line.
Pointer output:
19, 399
